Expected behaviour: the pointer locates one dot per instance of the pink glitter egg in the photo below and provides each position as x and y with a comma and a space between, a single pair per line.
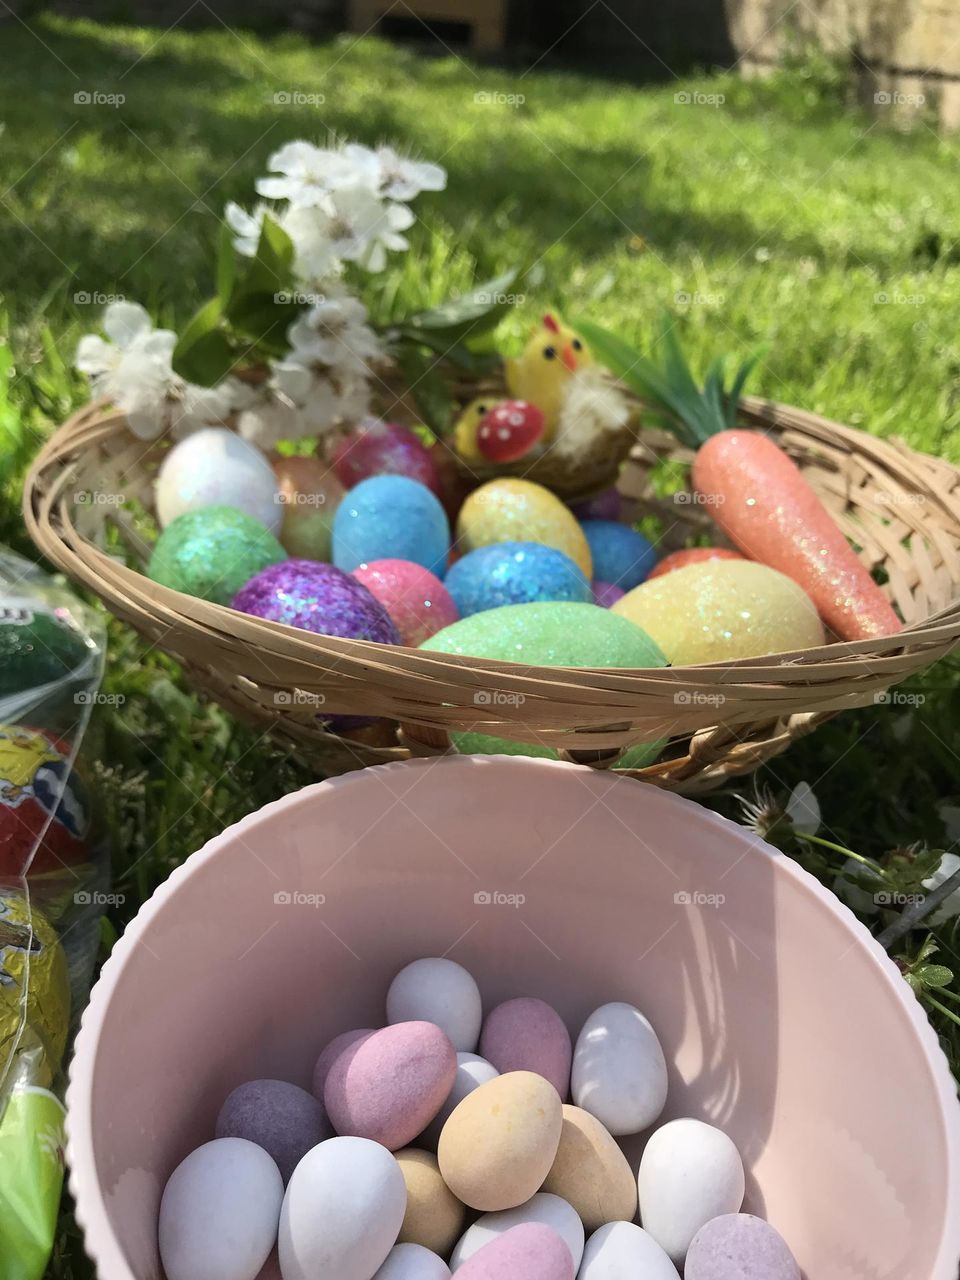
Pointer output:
417, 601
378, 448
606, 594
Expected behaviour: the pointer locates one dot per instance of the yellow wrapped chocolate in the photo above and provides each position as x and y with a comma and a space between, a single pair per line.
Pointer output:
38, 1009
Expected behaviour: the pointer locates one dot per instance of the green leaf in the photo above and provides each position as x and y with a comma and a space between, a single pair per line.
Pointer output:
476, 362
263, 320
226, 265
269, 272
471, 314
935, 975
428, 386
203, 353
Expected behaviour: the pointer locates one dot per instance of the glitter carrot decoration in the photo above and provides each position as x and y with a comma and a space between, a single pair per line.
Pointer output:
757, 494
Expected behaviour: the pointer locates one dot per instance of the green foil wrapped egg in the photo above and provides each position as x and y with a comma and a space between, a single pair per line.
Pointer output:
552, 634
38, 643
212, 553
33, 982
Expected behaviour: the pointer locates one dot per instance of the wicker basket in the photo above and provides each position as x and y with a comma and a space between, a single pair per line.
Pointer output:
901, 508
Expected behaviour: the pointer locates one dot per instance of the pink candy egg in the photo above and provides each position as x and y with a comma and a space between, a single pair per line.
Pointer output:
331, 1053
528, 1035
531, 1251
378, 448
416, 600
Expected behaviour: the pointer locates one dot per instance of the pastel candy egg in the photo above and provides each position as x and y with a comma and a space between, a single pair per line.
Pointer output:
530, 1251
620, 554
439, 991
388, 1086
591, 1173
309, 496
211, 553
528, 1035
544, 1208
412, 1262
721, 610
342, 1212
219, 1212
280, 1117
606, 594
331, 1053
691, 555
391, 517
378, 448
690, 1172
738, 1246
472, 1071
514, 573
417, 601
619, 1071
520, 511
215, 467
434, 1216
624, 1251
318, 598
499, 1143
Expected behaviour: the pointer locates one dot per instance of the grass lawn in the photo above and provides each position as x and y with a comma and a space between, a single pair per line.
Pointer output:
774, 216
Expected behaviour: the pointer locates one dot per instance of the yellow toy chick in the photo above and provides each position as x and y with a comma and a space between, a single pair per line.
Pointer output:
542, 374
465, 432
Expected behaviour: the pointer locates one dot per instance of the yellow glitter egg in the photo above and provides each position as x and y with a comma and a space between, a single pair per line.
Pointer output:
723, 609
520, 511
30, 949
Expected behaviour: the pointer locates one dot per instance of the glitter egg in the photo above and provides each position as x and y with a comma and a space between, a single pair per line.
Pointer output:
212, 553
721, 610
391, 517
691, 555
417, 601
215, 467
549, 635
606, 594
603, 506
378, 448
520, 511
309, 496
317, 597
620, 554
514, 573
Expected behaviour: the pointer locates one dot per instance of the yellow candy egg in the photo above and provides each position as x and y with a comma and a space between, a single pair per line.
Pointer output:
723, 609
520, 511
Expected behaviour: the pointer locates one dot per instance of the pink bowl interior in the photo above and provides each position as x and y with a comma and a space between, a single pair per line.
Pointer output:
782, 1020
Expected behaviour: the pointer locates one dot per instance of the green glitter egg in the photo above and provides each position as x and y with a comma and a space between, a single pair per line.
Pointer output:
550, 634
212, 553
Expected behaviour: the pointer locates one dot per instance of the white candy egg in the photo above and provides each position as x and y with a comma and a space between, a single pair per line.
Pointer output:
623, 1251
412, 1262
438, 991
550, 1210
342, 1212
214, 467
219, 1212
619, 1072
472, 1072
689, 1174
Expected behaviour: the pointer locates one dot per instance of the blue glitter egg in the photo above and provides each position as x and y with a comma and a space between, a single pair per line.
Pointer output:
515, 573
621, 556
391, 518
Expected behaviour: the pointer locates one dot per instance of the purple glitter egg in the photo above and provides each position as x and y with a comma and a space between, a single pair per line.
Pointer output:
603, 506
317, 597
606, 594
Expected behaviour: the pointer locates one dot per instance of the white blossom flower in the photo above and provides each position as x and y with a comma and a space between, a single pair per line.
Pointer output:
309, 173
402, 178
314, 258
363, 228
334, 333
246, 226
192, 407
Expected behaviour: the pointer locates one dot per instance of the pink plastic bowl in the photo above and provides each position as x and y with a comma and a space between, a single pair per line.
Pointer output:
783, 1021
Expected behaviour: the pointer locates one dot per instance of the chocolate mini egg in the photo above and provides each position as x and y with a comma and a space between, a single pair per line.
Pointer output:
591, 1173
434, 1216
514, 573
377, 448
388, 1086
528, 1035
440, 991
549, 1210
510, 510
690, 1172
530, 1251
721, 610
738, 1246
216, 468
211, 553
412, 1262
342, 1211
619, 1071
331, 1053
620, 554
472, 1071
318, 598
219, 1212
280, 1117
309, 496
624, 1251
498, 1145
391, 517
417, 601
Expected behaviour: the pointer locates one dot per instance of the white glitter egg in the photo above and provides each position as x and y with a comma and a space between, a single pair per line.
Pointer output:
214, 467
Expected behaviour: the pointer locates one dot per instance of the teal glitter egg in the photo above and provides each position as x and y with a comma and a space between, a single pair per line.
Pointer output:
212, 553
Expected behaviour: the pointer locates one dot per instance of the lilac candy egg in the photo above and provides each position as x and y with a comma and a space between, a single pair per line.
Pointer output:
390, 1085
738, 1246
620, 554
413, 1262
331, 1053
280, 1117
603, 506
606, 594
528, 1035
318, 598
531, 1251
514, 573
391, 517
